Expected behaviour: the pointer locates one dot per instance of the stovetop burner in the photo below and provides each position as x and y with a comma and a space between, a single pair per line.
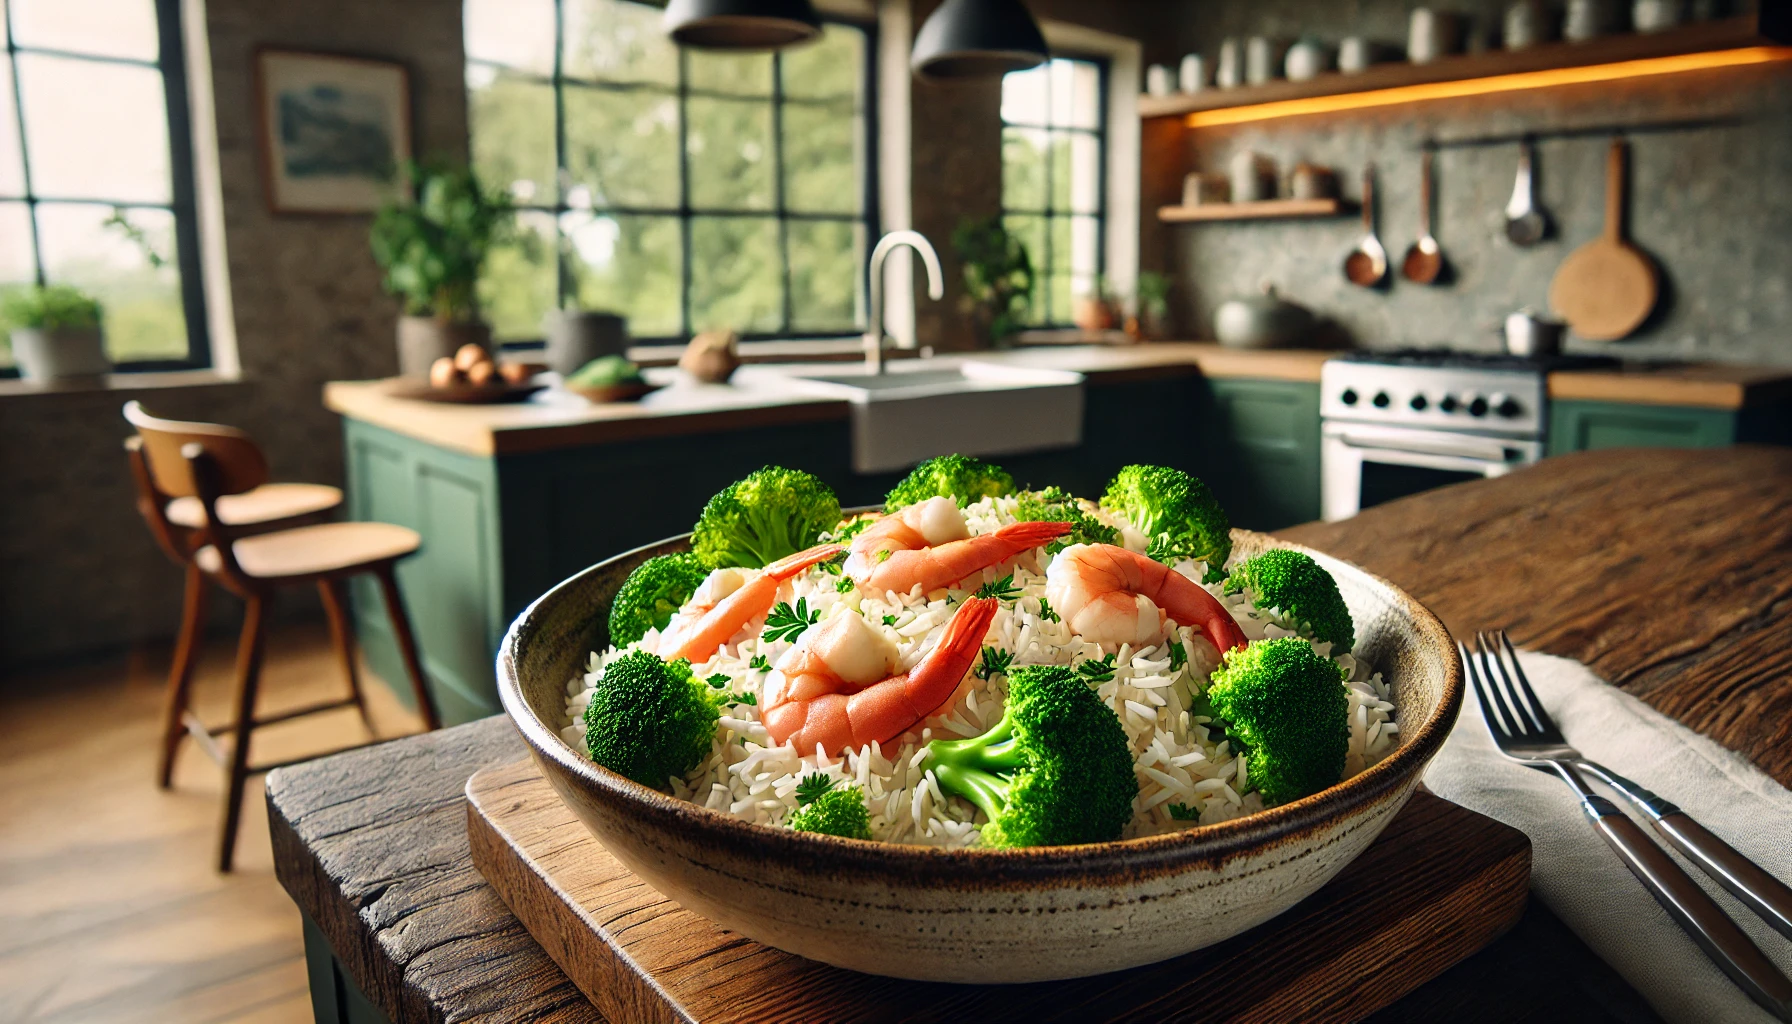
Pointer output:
1450, 358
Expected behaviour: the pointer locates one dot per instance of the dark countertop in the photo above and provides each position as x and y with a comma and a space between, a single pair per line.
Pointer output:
372, 844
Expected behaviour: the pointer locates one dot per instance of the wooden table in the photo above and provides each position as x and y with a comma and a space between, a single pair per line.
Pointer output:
1670, 573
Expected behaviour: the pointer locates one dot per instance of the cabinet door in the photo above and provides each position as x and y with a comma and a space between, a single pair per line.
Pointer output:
1587, 426
1264, 451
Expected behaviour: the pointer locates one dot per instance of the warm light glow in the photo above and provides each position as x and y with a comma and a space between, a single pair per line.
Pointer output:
1492, 84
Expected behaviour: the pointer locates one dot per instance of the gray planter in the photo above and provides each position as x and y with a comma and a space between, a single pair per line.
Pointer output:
58, 353
576, 338
424, 339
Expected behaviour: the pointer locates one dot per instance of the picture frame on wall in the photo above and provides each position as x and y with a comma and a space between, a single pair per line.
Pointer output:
335, 130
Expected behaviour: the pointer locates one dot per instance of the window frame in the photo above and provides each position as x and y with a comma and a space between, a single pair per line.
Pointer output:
1042, 268
685, 212
182, 202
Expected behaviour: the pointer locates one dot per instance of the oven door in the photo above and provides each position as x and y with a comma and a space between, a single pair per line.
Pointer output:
1363, 465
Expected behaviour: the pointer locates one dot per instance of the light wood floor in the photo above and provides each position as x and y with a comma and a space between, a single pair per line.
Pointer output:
110, 909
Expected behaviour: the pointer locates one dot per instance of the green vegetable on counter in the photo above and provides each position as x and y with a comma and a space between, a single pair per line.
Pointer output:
1176, 512
1301, 590
603, 372
959, 477
652, 594
650, 720
837, 812
1055, 770
771, 513
1286, 712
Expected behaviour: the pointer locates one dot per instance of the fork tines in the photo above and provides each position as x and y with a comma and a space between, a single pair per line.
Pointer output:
1523, 718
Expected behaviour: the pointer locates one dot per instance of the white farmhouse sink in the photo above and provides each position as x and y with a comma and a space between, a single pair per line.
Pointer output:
916, 411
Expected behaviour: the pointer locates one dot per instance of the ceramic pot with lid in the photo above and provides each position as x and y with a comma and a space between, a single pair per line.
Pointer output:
1532, 336
1261, 321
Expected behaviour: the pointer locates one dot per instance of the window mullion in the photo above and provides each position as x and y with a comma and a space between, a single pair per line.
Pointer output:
172, 58
684, 194
562, 273
18, 100
778, 182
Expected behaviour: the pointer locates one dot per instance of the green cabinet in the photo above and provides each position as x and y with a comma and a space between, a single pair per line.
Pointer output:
1579, 426
1260, 439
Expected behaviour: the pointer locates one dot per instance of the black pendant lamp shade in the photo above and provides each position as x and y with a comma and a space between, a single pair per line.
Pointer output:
741, 24
978, 39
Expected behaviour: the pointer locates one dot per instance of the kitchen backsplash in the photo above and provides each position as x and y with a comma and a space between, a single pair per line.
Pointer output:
1710, 204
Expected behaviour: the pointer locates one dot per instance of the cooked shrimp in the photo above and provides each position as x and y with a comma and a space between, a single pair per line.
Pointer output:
834, 688
730, 600
1112, 596
928, 543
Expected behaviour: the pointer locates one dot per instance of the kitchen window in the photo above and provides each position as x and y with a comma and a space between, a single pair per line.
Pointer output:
682, 189
96, 172
1054, 197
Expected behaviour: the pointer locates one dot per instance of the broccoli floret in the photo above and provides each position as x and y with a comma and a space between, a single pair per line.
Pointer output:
838, 812
1303, 591
958, 477
1054, 505
1177, 512
1286, 712
772, 513
649, 719
652, 593
1055, 770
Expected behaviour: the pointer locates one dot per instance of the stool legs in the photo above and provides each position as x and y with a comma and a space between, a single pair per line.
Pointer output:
407, 646
342, 635
180, 674
248, 678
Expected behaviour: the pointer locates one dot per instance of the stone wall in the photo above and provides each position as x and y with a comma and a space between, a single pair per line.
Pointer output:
1710, 203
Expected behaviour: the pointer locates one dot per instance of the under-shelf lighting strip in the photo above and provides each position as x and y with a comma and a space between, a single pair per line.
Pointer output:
1491, 84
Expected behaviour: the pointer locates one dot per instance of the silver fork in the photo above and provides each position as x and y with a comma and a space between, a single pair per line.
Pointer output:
1524, 732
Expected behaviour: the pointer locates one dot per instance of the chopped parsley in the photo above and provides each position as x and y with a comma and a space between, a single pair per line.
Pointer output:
890, 620
1094, 671
743, 698
787, 623
853, 528
1046, 612
1002, 589
810, 787
1182, 812
884, 555
995, 662
759, 663
844, 585
1178, 654
719, 680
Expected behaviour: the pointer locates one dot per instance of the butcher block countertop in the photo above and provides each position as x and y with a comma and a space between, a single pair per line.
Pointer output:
1668, 572
1700, 385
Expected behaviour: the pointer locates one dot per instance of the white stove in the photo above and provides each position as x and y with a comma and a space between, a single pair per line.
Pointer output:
1395, 423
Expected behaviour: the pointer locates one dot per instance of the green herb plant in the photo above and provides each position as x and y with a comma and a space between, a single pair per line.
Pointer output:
433, 246
49, 308
998, 277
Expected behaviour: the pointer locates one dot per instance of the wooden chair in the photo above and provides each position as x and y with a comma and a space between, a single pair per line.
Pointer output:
212, 464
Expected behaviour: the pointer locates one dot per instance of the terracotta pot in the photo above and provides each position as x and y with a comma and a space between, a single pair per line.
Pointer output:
1093, 314
982, 916
424, 339
58, 353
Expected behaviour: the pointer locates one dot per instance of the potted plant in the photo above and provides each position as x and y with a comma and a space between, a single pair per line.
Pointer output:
1151, 318
998, 277
575, 336
432, 249
55, 332
1096, 311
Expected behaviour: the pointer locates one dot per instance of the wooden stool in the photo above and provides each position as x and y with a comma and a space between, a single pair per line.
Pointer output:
210, 465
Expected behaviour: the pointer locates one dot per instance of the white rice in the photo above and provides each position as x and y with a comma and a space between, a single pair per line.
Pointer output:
1186, 777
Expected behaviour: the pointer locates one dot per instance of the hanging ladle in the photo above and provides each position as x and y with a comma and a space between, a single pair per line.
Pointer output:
1367, 264
1424, 260
1526, 225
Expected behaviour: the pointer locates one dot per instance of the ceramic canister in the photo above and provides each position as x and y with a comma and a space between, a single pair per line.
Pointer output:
1158, 80
1263, 59
1355, 54
1527, 24
1587, 19
1432, 34
1656, 15
1253, 177
1229, 73
1192, 76
1307, 59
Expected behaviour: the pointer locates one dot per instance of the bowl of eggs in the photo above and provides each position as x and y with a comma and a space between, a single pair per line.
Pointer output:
472, 376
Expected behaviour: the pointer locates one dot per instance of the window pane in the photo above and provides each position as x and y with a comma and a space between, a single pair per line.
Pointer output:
748, 74
512, 127
730, 145
1076, 94
515, 33
15, 259
12, 168
618, 42
519, 283
143, 318
1084, 247
95, 131
105, 28
628, 265
622, 147
1031, 233
735, 274
1076, 173
821, 158
825, 260
1024, 96
1060, 299
830, 68
1023, 168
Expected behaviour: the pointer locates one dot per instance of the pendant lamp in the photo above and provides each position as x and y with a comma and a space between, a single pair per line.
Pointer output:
978, 39
741, 24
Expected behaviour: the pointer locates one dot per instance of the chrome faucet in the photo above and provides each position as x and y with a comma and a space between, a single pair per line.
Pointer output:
936, 289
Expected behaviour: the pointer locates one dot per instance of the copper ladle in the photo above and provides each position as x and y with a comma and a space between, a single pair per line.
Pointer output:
1425, 259
1367, 264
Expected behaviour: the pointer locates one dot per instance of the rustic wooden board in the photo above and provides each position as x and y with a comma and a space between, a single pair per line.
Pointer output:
1440, 883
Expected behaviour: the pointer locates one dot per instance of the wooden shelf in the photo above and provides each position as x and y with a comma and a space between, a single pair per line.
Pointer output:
1698, 37
1268, 209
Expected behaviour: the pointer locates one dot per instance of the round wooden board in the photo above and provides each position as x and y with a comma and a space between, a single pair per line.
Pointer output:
1604, 289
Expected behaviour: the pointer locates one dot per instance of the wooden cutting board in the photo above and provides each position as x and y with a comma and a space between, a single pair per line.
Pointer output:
1441, 882
1606, 288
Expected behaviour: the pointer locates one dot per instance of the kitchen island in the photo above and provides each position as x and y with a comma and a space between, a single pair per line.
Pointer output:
1568, 554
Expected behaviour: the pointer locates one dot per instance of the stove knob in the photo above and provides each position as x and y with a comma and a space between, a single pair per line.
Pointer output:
1419, 403
1382, 401
1348, 397
1477, 406
1506, 406
1447, 403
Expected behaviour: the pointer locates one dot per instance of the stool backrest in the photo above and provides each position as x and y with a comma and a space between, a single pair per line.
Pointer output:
239, 463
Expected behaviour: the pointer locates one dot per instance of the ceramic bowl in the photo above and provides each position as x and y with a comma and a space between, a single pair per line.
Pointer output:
958, 916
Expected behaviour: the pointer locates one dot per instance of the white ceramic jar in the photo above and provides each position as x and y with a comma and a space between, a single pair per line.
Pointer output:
1229, 73
1587, 19
1307, 59
1192, 74
1527, 24
1657, 15
1263, 59
1432, 34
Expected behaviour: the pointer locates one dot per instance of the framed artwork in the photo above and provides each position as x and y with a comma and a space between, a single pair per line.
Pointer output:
335, 131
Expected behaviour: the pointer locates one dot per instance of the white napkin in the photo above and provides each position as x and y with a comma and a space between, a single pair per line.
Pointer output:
1580, 878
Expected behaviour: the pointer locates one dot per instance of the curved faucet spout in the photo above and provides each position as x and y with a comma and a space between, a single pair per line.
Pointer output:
936, 288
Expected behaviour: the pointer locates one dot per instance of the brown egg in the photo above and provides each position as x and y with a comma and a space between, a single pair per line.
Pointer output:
514, 373
467, 355
481, 373
442, 373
